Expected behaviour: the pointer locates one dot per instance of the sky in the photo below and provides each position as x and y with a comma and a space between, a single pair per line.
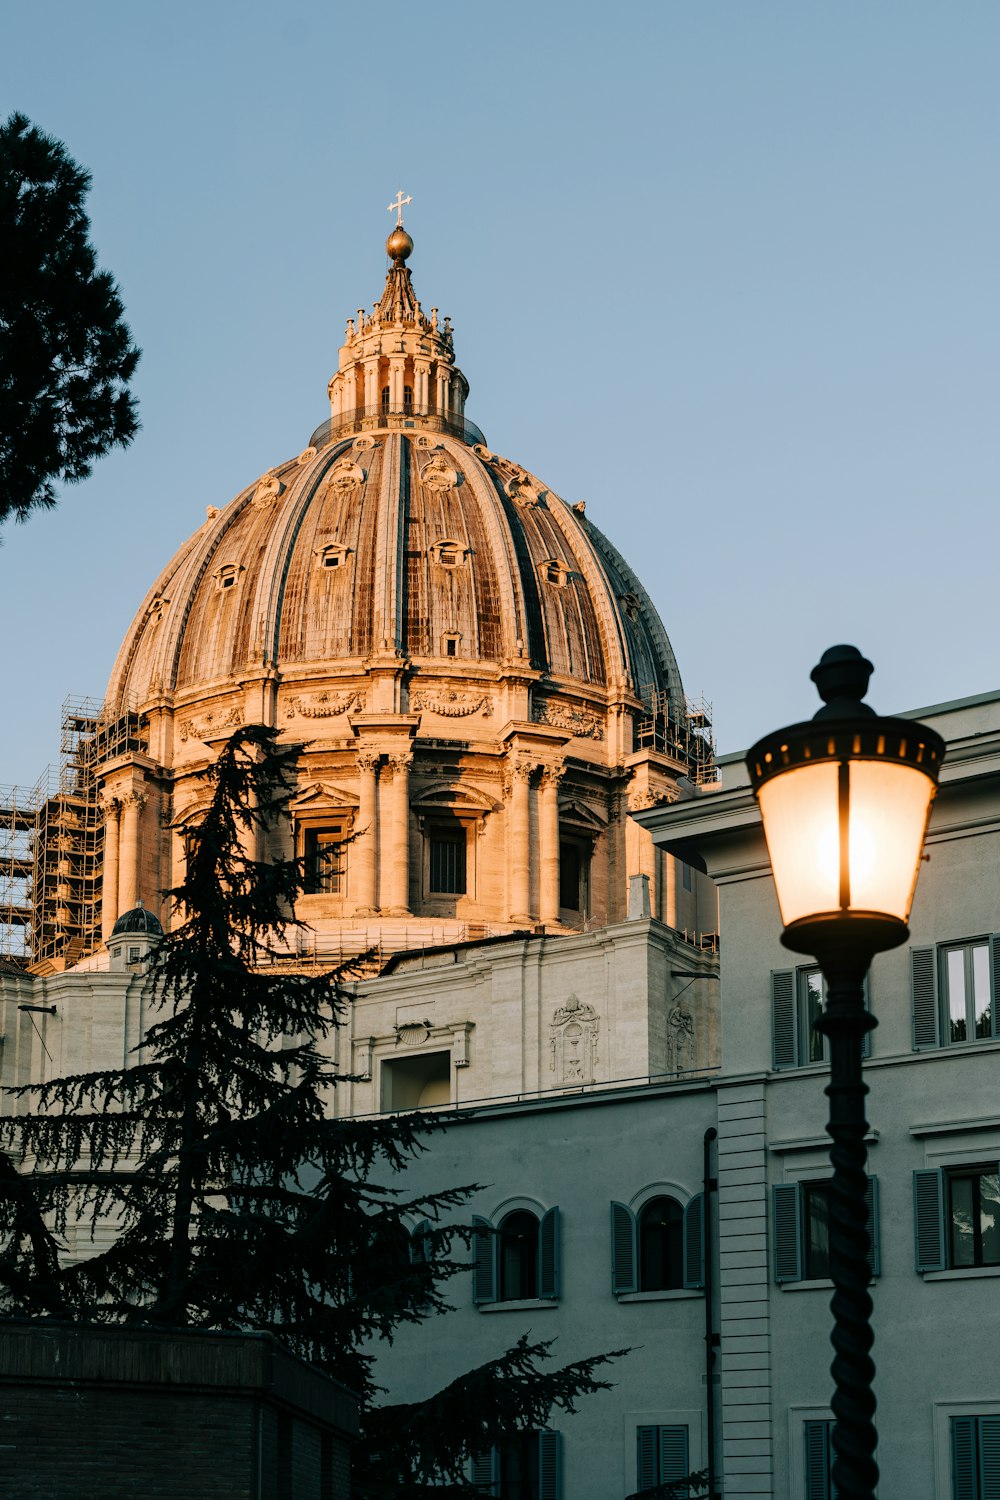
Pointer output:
725, 269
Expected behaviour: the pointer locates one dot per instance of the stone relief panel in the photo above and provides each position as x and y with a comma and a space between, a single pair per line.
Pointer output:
267, 490
323, 705
437, 475
580, 721
345, 475
209, 726
574, 1032
681, 1039
453, 705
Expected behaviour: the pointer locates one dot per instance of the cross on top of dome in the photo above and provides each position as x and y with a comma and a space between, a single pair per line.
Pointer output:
398, 204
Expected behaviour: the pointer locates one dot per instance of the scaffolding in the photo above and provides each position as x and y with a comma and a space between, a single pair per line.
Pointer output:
685, 734
52, 838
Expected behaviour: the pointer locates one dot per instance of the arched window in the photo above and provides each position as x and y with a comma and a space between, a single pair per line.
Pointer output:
518, 1234
408, 398
385, 398
661, 1245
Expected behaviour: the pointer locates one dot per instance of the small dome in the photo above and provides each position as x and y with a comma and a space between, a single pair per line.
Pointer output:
139, 919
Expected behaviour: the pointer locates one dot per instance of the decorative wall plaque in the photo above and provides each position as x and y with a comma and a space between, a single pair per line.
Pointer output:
573, 1042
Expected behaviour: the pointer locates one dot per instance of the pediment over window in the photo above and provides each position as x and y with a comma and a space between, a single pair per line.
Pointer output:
322, 797
455, 799
579, 815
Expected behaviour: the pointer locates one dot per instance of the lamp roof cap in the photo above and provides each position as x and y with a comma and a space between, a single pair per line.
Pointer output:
841, 676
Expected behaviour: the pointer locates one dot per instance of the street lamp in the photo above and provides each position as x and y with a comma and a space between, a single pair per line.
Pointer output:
845, 799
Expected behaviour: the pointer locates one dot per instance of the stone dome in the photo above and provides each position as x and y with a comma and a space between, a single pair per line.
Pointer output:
444, 636
139, 919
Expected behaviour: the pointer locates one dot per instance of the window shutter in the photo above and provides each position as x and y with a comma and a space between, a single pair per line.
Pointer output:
787, 1205
549, 1465
420, 1245
694, 1243
486, 1472
673, 1453
646, 1473
963, 1458
484, 1268
871, 1198
623, 1256
818, 1460
928, 1218
995, 981
989, 1456
784, 1043
923, 988
548, 1255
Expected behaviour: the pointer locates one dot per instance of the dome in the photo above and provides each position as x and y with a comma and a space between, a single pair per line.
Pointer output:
478, 681
139, 919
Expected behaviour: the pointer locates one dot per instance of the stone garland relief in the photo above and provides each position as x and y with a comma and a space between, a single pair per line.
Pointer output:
345, 475
210, 725
453, 705
323, 705
267, 490
573, 1041
437, 475
583, 724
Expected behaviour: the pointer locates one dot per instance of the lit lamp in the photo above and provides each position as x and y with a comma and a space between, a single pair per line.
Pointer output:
845, 800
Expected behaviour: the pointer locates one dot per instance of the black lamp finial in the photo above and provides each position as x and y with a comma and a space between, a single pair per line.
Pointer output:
841, 677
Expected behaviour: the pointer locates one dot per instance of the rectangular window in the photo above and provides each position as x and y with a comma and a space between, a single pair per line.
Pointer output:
816, 1223
974, 1216
801, 1215
324, 862
574, 876
661, 1455
527, 1468
953, 991
447, 849
975, 1458
797, 1000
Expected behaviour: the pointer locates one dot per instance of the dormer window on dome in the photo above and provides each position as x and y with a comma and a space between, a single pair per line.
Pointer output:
227, 575
448, 553
555, 571
333, 556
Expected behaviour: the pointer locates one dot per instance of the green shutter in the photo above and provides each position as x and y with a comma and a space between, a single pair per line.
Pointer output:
623, 1256
871, 1199
784, 1043
673, 1443
923, 990
928, 1218
995, 982
787, 1208
647, 1458
485, 1473
484, 1272
420, 1245
963, 1458
818, 1460
989, 1457
548, 1255
694, 1243
549, 1465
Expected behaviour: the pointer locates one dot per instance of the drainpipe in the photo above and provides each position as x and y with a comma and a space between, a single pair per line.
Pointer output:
711, 1186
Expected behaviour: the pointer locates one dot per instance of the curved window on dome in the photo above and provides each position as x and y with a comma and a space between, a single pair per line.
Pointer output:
226, 576
661, 1246
333, 556
518, 1258
556, 573
448, 553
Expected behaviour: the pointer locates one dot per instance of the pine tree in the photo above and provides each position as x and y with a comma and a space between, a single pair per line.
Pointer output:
66, 354
239, 1200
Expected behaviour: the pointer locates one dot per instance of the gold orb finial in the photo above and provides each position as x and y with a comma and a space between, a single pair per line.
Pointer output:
399, 245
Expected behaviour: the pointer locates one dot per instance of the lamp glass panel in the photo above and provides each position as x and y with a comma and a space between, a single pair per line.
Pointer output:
802, 828
889, 806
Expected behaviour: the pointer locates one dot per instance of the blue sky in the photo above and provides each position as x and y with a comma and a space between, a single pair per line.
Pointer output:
725, 269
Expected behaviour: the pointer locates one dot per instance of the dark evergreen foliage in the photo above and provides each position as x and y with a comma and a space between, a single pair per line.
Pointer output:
66, 354
239, 1200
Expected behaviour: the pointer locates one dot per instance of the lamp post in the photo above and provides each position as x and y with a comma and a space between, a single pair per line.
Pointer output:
845, 799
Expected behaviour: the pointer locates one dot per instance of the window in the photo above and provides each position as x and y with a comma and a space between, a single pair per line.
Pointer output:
954, 991
450, 644
819, 1460
447, 841
448, 552
975, 1458
226, 576
956, 1215
408, 398
134, 955
324, 861
529, 1468
385, 398
660, 1248
518, 1259
662, 1455
332, 556
556, 573
801, 1212
574, 875
797, 999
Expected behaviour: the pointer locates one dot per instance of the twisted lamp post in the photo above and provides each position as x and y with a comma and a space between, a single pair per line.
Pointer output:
845, 799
